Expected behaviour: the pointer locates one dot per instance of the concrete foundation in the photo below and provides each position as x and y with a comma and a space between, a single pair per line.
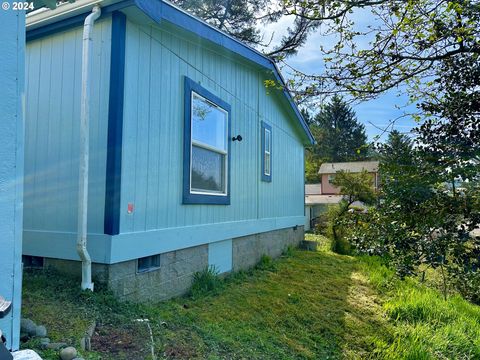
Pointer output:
173, 277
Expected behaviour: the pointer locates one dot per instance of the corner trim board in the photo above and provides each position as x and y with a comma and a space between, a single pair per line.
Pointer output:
115, 125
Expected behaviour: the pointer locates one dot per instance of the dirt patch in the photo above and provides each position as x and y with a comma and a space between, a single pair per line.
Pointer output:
179, 352
121, 342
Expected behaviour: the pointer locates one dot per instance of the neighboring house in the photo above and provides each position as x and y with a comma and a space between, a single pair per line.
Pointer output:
172, 188
327, 173
12, 79
316, 204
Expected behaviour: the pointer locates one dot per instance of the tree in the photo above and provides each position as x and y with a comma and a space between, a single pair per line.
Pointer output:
449, 135
422, 220
242, 19
405, 44
315, 155
339, 135
342, 137
236, 17
355, 187
397, 149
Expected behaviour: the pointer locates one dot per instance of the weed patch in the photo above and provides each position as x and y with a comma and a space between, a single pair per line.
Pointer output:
266, 263
205, 282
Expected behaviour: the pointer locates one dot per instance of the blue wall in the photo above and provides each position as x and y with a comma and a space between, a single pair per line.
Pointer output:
157, 58
12, 28
53, 66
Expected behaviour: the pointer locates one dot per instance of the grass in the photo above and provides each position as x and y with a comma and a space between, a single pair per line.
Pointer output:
306, 305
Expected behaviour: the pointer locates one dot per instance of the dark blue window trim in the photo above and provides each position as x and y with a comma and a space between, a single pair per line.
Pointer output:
265, 126
188, 197
115, 126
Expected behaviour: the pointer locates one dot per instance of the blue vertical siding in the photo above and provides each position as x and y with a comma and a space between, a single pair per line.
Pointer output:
53, 68
157, 58
156, 62
12, 74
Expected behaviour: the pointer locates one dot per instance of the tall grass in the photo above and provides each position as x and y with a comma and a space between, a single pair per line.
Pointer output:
205, 282
425, 326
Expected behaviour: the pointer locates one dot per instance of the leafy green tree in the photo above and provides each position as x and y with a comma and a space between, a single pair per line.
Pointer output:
406, 43
432, 48
449, 136
422, 220
355, 187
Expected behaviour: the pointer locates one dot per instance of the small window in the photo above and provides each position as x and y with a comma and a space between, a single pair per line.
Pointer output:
207, 147
148, 263
331, 178
266, 152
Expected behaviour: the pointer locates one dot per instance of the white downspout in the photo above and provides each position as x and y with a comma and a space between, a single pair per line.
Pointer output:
87, 283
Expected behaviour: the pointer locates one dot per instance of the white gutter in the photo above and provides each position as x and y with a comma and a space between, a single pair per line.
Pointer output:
84, 150
65, 10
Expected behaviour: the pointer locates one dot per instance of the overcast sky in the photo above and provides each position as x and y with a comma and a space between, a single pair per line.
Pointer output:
375, 114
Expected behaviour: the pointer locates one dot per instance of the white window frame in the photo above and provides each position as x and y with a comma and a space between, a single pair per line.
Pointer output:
267, 152
209, 148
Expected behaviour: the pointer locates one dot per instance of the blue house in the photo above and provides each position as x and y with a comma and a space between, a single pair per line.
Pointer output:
193, 161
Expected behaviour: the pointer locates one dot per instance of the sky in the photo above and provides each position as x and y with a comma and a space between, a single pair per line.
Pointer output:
374, 114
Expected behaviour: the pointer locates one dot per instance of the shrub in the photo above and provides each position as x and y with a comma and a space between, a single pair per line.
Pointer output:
205, 282
288, 251
322, 223
266, 263
341, 246
338, 229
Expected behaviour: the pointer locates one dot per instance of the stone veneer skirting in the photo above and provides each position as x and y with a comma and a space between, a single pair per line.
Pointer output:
174, 276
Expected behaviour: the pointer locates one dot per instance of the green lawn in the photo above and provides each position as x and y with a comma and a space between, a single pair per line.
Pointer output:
306, 305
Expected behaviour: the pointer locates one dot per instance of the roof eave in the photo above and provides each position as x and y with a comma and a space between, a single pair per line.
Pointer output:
179, 17
43, 22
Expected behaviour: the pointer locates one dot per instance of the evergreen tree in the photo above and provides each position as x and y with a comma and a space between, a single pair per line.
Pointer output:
339, 135
307, 117
244, 19
343, 137
397, 149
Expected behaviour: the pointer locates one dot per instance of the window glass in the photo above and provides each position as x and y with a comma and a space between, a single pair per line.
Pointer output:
209, 123
266, 136
267, 140
208, 170
148, 263
209, 147
267, 163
